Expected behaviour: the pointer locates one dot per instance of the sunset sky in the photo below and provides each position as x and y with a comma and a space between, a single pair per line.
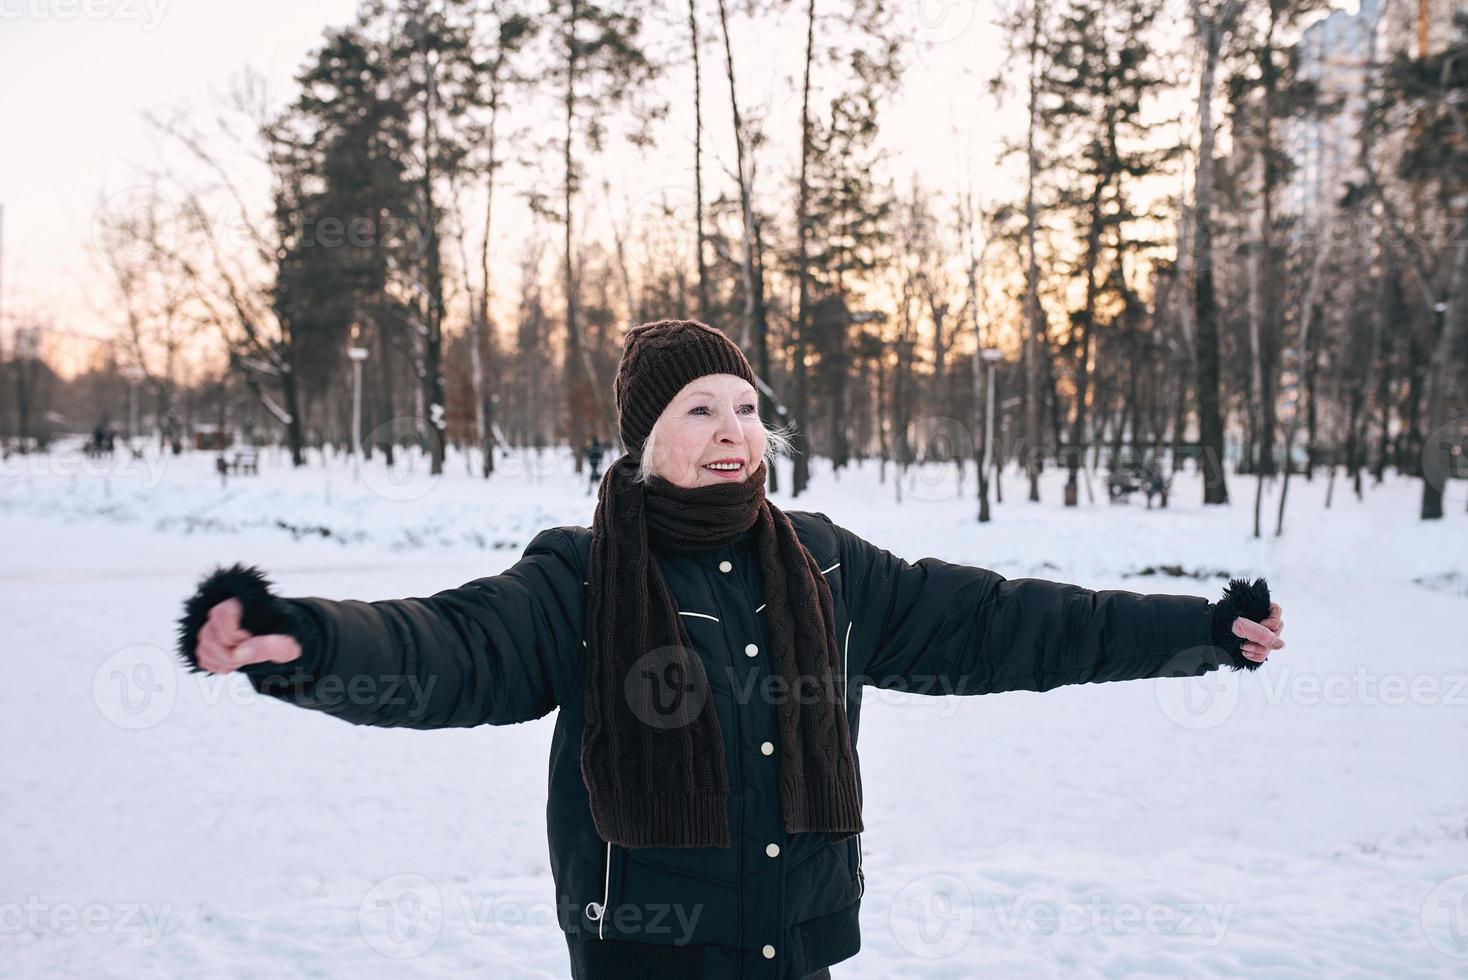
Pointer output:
76, 89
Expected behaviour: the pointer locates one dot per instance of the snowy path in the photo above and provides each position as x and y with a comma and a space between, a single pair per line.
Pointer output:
1310, 820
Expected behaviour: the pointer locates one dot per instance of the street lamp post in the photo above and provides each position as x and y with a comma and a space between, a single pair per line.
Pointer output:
134, 375
27, 353
358, 355
990, 356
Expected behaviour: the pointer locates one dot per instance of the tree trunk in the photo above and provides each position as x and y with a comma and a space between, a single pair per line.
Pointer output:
756, 331
1259, 449
800, 440
704, 311
1268, 345
294, 432
432, 379
483, 342
1083, 356
1303, 357
1447, 313
584, 397
576, 378
1210, 420
1033, 320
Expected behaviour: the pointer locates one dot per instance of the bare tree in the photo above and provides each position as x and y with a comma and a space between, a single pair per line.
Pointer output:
511, 30
152, 307
235, 288
695, 44
1212, 26
601, 66
755, 331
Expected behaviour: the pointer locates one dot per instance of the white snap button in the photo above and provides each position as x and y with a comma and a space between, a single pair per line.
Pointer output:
769, 952
750, 649
773, 850
767, 748
726, 566
593, 911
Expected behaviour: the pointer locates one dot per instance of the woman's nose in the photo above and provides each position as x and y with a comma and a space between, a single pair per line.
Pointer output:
728, 427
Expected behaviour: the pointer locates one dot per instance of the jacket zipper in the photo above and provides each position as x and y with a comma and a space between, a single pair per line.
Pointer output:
600, 910
597, 912
861, 878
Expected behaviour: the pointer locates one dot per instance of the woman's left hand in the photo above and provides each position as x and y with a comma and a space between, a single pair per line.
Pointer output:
1261, 637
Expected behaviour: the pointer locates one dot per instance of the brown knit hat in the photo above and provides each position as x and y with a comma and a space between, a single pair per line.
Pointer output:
658, 359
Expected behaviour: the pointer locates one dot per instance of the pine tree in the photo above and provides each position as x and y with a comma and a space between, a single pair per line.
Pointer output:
850, 214
1103, 75
342, 217
600, 66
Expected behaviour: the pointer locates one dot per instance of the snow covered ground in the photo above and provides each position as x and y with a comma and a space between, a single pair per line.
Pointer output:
1308, 820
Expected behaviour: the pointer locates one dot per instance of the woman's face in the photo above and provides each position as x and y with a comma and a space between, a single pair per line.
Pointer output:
713, 419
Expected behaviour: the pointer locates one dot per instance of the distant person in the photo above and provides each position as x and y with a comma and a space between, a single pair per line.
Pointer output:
704, 829
1153, 482
593, 460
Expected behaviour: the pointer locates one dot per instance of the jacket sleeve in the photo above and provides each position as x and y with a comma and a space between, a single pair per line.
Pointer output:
498, 650
933, 627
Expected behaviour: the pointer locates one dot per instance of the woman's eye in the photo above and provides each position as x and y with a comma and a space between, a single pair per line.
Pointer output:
747, 409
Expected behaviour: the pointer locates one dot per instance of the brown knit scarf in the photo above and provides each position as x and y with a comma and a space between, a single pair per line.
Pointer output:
652, 756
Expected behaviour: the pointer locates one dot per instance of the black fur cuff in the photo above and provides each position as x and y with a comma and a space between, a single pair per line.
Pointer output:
263, 612
1240, 598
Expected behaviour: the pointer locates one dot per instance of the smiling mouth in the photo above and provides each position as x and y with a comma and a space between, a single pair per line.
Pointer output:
724, 469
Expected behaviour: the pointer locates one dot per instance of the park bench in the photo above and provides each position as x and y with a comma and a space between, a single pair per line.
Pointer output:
1123, 482
246, 461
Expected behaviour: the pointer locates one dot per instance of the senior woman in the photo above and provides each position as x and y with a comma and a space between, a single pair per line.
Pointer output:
708, 652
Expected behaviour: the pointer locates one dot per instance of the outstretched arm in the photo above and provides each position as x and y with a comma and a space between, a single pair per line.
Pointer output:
497, 650
934, 627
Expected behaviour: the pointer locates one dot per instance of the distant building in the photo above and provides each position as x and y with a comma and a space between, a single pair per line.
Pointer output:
1418, 27
1333, 52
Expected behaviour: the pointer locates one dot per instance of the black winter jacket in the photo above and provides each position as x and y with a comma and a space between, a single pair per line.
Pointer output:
775, 906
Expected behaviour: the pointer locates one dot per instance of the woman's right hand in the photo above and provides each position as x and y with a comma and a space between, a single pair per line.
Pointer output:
1261, 637
224, 645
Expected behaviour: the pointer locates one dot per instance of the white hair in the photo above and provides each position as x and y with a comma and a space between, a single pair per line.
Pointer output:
777, 444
